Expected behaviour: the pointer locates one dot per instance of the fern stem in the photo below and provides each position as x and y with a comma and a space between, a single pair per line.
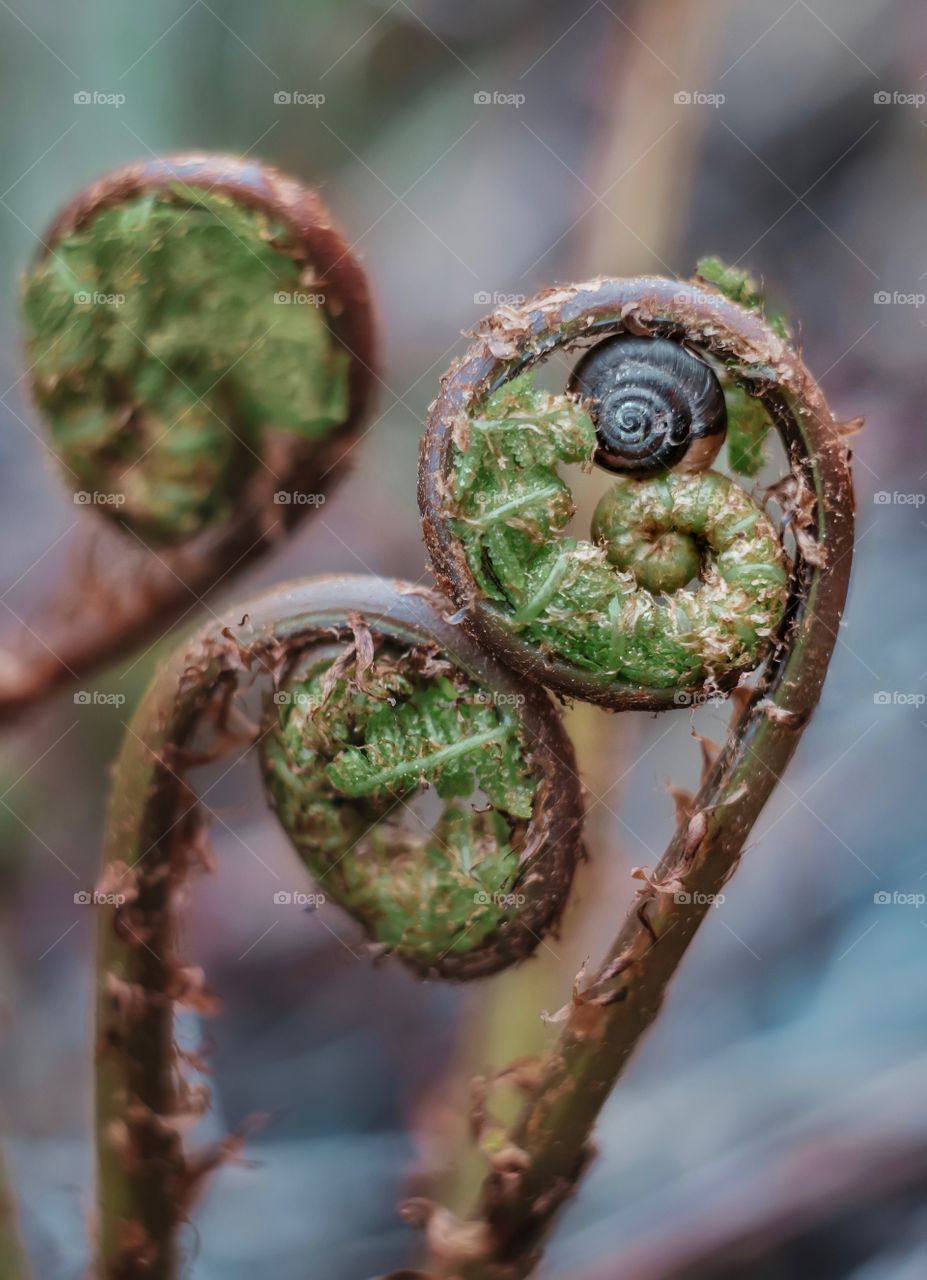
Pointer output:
607, 1020
147, 1182
14, 1263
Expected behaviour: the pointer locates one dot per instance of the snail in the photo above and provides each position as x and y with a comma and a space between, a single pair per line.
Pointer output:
656, 407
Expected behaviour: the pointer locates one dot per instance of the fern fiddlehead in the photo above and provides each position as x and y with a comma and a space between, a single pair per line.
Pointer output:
200, 343
607, 617
374, 695
596, 603
789, 621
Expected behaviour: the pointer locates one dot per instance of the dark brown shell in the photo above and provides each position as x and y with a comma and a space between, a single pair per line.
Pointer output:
655, 405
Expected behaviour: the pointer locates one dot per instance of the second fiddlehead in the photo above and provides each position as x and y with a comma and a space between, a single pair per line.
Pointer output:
200, 343
374, 694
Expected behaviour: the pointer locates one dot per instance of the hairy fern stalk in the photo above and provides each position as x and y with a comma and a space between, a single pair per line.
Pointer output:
373, 695
683, 586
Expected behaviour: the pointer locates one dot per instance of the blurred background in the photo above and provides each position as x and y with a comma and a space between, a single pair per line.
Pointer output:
774, 1123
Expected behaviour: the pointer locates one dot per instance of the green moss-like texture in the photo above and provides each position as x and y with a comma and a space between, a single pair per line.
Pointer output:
748, 426
162, 353
748, 422
740, 287
618, 606
342, 762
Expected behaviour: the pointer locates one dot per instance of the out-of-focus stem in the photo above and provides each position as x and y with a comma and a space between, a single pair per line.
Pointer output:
14, 1265
643, 167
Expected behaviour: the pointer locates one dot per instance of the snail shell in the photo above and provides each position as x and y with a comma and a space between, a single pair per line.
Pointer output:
656, 407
